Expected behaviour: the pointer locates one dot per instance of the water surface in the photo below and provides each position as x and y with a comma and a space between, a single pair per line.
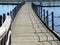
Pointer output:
6, 8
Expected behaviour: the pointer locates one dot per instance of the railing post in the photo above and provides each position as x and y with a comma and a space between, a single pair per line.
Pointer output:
7, 13
52, 20
11, 14
5, 39
0, 20
47, 19
38, 10
41, 12
2, 43
4, 16
41, 8
44, 14
10, 40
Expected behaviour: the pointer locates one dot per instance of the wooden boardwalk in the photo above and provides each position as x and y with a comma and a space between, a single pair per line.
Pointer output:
27, 29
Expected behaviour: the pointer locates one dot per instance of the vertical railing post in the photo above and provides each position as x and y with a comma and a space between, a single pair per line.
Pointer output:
4, 16
47, 19
52, 20
0, 20
10, 40
2, 43
7, 13
5, 39
38, 10
44, 14
41, 12
41, 9
11, 14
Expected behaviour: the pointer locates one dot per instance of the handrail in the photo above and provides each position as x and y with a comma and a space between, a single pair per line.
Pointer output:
4, 29
45, 18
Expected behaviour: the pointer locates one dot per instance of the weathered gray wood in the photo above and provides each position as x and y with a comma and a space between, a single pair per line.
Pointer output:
27, 29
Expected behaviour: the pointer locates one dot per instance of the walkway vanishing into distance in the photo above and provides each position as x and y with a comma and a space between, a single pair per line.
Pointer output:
27, 29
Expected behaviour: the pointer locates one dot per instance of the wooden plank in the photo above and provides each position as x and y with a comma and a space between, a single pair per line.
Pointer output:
27, 31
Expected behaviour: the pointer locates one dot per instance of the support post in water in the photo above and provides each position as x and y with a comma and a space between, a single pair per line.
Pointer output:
4, 16
52, 20
0, 20
44, 14
47, 19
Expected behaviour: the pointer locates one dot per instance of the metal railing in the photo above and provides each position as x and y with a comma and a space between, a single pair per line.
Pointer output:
5, 29
45, 17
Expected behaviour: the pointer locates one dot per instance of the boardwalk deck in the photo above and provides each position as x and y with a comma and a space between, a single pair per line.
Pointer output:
27, 29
